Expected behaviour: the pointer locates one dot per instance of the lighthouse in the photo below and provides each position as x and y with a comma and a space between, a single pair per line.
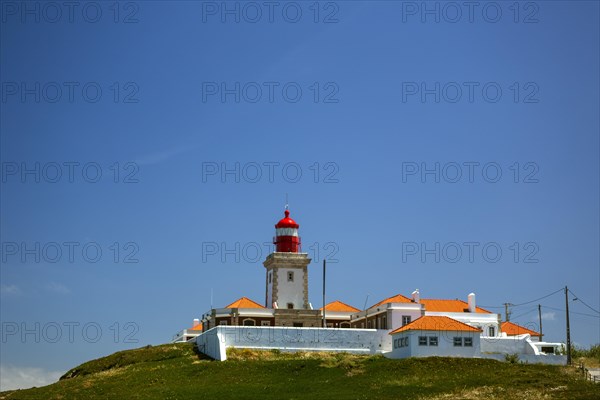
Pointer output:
286, 235
287, 268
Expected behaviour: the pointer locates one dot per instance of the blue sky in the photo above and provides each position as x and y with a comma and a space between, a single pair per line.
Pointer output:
168, 140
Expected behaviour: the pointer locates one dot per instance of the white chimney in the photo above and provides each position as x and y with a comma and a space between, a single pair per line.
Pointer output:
196, 322
415, 296
471, 301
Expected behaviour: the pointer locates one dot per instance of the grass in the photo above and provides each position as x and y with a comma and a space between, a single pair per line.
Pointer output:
176, 371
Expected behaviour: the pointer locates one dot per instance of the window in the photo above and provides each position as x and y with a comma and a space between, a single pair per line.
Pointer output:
384, 322
468, 342
402, 342
270, 277
548, 349
491, 331
406, 341
290, 306
422, 340
433, 340
457, 341
298, 324
222, 322
290, 276
265, 323
406, 320
249, 322
345, 325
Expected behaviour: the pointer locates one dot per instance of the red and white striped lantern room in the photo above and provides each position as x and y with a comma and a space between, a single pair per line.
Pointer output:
286, 235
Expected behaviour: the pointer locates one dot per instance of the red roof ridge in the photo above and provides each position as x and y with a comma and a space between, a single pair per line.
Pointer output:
477, 308
512, 329
388, 300
436, 323
244, 302
336, 302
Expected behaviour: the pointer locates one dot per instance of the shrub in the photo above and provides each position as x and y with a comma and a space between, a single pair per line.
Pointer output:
511, 358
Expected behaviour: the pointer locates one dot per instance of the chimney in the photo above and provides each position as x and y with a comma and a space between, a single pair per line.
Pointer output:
471, 301
416, 298
196, 322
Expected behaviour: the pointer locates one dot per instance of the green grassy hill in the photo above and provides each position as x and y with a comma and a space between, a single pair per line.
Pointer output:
176, 371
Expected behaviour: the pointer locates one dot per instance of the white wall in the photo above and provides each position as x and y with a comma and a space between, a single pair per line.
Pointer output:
445, 346
506, 345
396, 314
269, 289
215, 341
290, 292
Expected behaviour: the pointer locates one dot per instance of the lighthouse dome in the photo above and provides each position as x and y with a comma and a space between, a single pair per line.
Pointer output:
287, 222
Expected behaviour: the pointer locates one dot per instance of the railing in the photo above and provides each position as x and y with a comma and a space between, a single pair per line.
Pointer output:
587, 374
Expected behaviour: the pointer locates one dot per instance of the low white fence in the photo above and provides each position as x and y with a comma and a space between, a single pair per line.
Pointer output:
215, 341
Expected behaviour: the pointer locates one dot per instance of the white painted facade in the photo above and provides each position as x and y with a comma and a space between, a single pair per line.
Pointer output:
215, 341
390, 315
425, 343
289, 291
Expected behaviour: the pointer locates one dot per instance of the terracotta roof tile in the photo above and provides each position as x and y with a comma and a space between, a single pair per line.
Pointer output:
197, 327
435, 323
394, 299
435, 305
339, 306
244, 302
512, 329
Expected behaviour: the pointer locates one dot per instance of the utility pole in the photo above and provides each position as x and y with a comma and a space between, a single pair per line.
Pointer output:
568, 327
540, 316
324, 320
506, 312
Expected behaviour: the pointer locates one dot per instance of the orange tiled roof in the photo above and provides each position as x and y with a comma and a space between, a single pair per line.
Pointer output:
512, 329
449, 306
197, 327
244, 302
435, 323
339, 306
394, 299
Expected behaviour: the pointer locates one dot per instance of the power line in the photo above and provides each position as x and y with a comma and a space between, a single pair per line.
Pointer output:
583, 302
527, 302
525, 313
572, 312
541, 298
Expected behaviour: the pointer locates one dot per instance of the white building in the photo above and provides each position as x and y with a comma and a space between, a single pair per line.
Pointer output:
435, 336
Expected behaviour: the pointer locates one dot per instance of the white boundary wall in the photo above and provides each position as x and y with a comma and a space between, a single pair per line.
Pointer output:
215, 341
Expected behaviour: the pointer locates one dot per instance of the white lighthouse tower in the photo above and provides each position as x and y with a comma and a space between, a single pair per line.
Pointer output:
287, 273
